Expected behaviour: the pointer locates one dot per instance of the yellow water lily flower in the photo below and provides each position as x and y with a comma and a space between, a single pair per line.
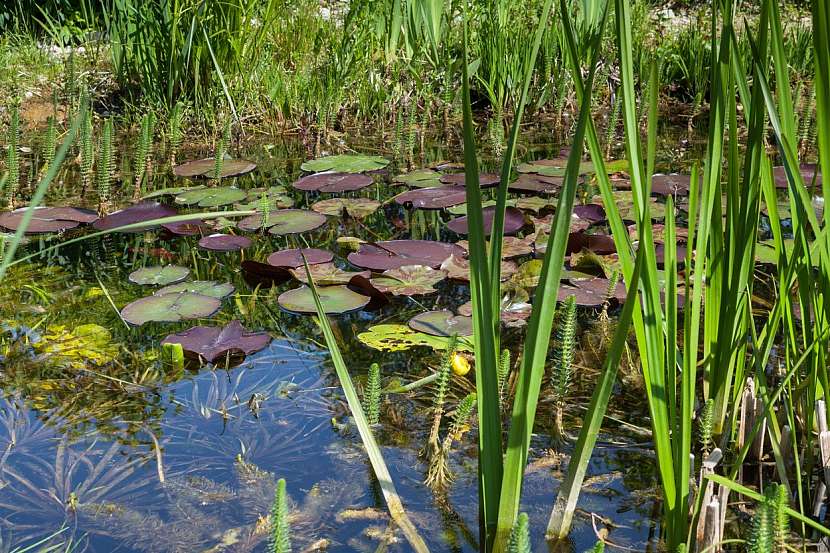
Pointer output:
460, 365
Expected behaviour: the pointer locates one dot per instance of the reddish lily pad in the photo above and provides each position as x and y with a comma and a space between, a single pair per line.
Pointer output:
442, 323
327, 274
334, 299
206, 167
333, 182
531, 183
592, 292
224, 242
137, 213
485, 180
161, 275
409, 280
514, 220
188, 228
392, 254
263, 274
808, 171
284, 221
209, 343
357, 208
510, 246
671, 185
433, 198
209, 288
211, 197
293, 258
170, 308
458, 268
47, 219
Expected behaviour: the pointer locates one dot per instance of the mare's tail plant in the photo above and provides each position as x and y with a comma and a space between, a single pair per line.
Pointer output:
704, 424
371, 396
174, 131
770, 525
279, 540
439, 475
520, 537
503, 374
563, 354
142, 163
87, 151
104, 167
13, 155
49, 144
222, 145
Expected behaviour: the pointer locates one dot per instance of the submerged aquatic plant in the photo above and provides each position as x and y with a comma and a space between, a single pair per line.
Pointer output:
280, 538
563, 354
371, 396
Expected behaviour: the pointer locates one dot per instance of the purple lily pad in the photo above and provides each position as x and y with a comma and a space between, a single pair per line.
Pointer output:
514, 220
601, 244
593, 213
263, 274
293, 258
210, 343
188, 228
808, 170
485, 180
205, 168
442, 323
333, 182
531, 183
137, 213
671, 185
393, 254
433, 198
224, 242
47, 219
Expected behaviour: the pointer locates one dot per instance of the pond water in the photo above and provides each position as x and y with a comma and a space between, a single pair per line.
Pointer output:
134, 456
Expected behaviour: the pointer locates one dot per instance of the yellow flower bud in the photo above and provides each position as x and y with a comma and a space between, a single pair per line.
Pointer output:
460, 365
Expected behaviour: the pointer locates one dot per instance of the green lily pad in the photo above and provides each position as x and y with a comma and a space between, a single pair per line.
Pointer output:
170, 191
420, 178
209, 288
334, 299
409, 280
170, 308
625, 204
161, 275
528, 274
284, 221
345, 163
276, 196
357, 208
211, 197
397, 337
442, 323
327, 274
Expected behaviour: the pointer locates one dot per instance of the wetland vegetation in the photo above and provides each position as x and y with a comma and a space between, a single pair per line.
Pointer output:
424, 275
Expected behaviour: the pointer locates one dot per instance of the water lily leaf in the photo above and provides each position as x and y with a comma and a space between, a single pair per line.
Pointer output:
138, 213
556, 167
357, 208
485, 180
442, 323
211, 197
461, 209
808, 171
511, 246
210, 343
263, 274
458, 268
161, 275
531, 183
170, 191
224, 242
276, 196
592, 292
512, 314
284, 221
76, 347
432, 198
188, 228
421, 178
409, 280
330, 183
170, 308
345, 163
206, 167
514, 220
391, 254
397, 337
587, 261
209, 288
528, 274
625, 204
535, 203
327, 274
293, 258
48, 219
335, 300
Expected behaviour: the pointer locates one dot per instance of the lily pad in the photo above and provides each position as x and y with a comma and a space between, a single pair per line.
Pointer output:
209, 288
409, 280
327, 274
211, 197
397, 337
334, 299
263, 274
671, 185
224, 242
530, 183
210, 343
432, 198
188, 228
808, 171
293, 258
276, 196
442, 323
170, 191
206, 167
161, 275
392, 254
485, 180
345, 163
514, 220
420, 178
170, 308
137, 213
284, 221
48, 219
458, 268
510, 246
357, 208
535, 203
329, 183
